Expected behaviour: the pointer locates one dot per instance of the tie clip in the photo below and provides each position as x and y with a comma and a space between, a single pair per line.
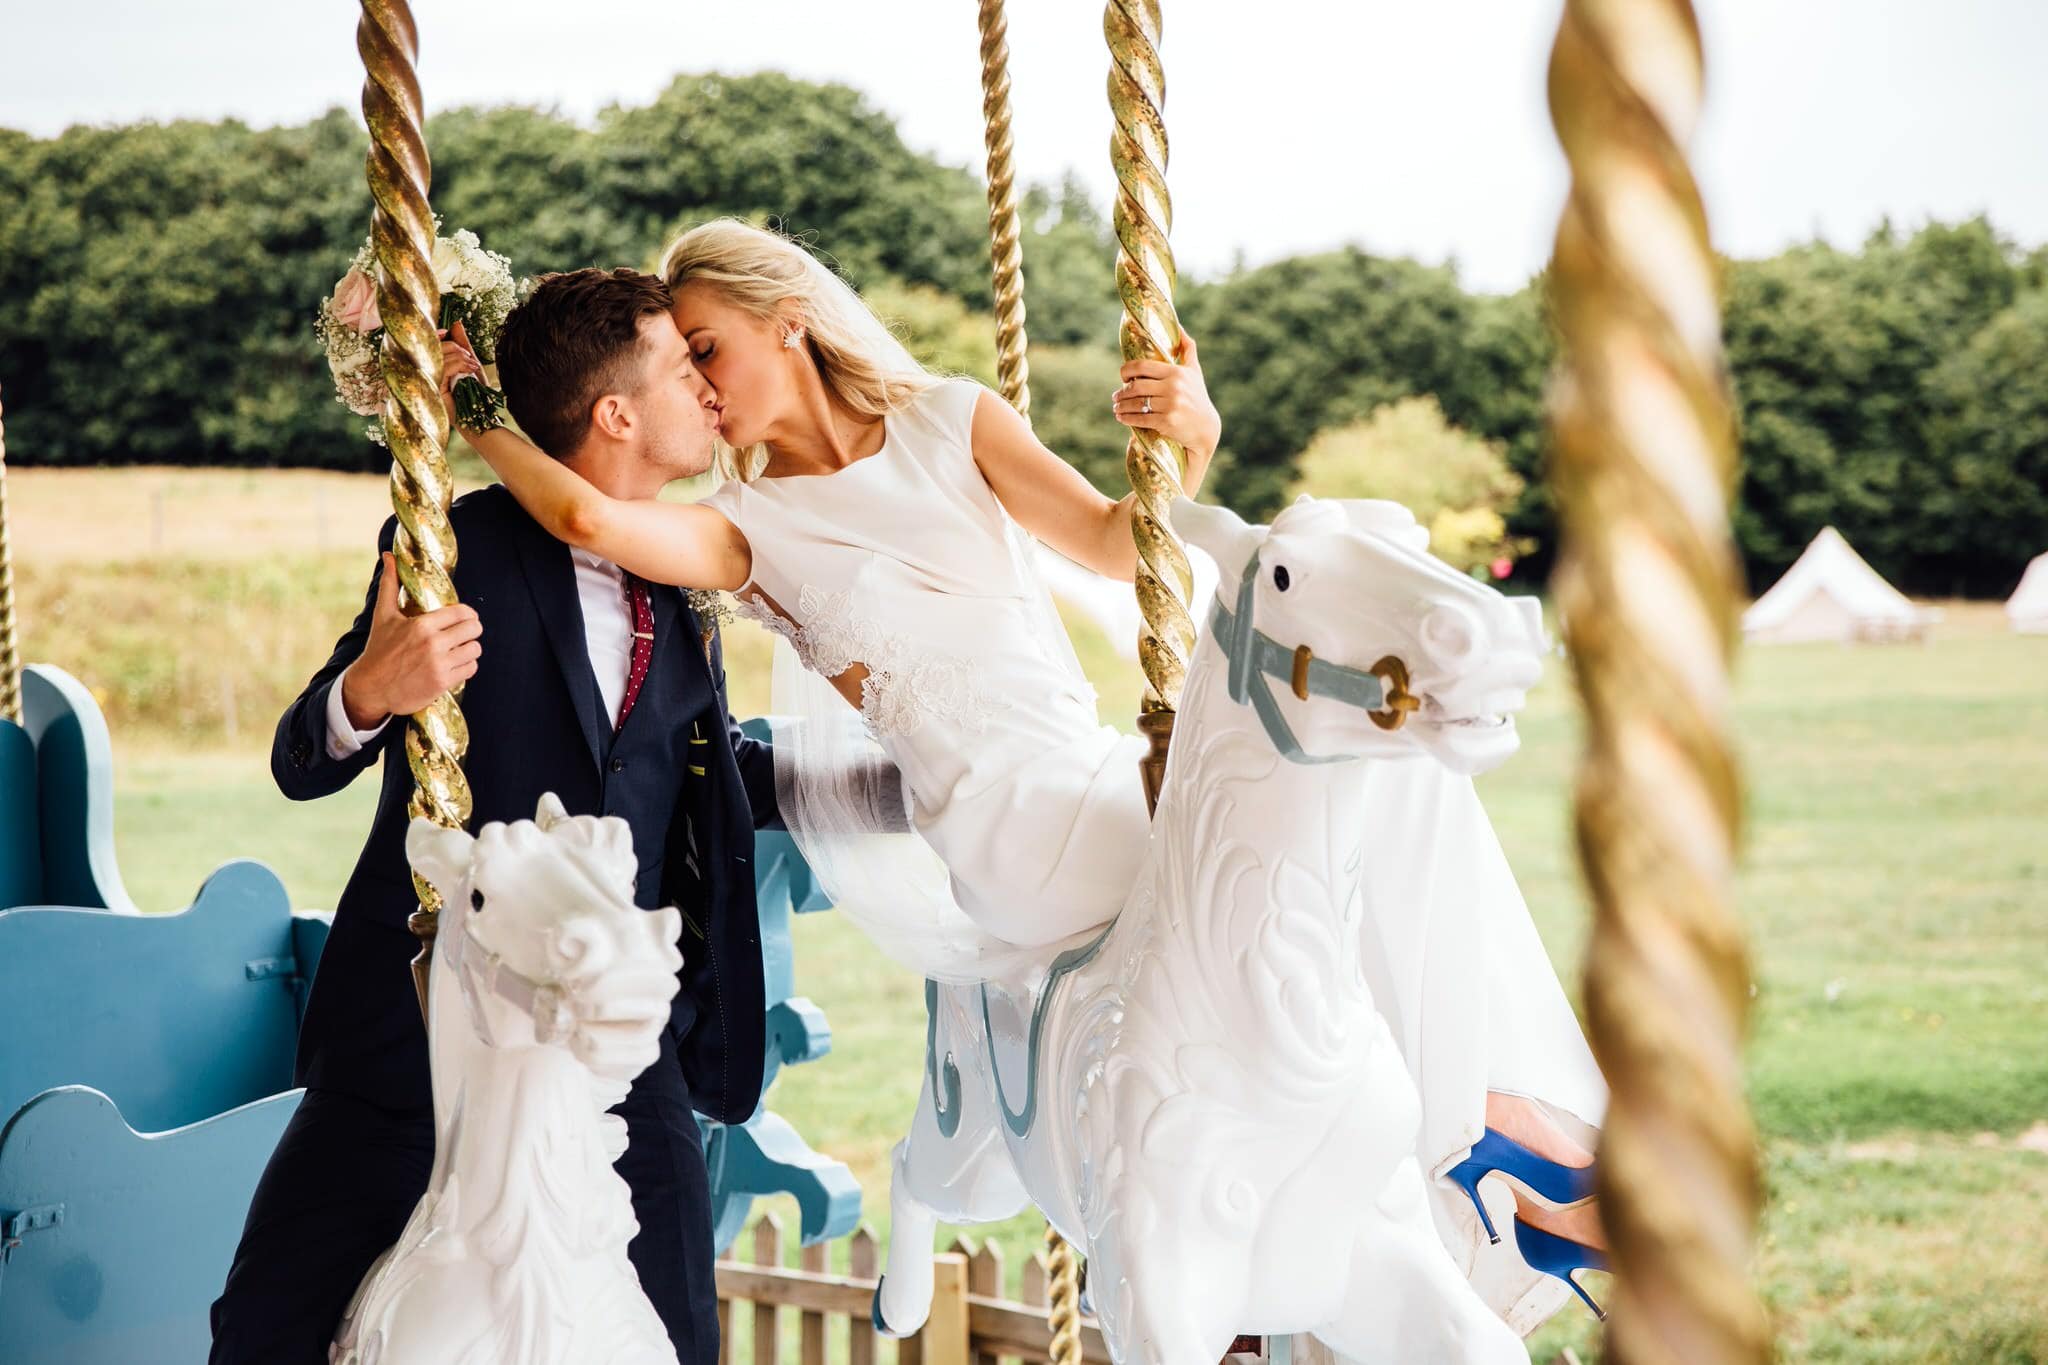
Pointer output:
643, 635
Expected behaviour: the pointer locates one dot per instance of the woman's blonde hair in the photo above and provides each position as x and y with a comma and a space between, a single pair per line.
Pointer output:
865, 368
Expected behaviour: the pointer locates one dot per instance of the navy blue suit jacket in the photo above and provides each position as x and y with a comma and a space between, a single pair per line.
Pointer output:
536, 724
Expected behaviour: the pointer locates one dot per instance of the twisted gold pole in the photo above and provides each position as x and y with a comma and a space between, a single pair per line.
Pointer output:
415, 423
1006, 252
1144, 282
10, 646
1013, 374
1063, 1294
1645, 460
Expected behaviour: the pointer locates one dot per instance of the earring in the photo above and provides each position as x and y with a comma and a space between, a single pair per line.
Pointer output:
793, 338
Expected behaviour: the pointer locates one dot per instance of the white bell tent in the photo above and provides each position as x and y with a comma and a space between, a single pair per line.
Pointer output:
2027, 608
1830, 593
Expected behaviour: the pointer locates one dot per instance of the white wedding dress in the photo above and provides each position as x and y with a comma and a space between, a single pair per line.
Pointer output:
905, 562
1029, 817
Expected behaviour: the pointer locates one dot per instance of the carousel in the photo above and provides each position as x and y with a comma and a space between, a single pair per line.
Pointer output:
145, 1072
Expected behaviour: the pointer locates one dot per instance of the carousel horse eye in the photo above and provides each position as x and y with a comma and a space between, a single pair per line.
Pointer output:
476, 900
1280, 578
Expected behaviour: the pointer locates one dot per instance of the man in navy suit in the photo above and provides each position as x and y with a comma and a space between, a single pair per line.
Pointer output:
579, 680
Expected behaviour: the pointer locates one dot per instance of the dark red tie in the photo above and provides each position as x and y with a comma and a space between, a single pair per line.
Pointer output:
642, 607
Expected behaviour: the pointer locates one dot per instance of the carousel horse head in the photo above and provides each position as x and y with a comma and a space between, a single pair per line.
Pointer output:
549, 994
1352, 641
540, 932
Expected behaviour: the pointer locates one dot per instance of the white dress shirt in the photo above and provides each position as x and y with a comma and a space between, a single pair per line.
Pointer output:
607, 634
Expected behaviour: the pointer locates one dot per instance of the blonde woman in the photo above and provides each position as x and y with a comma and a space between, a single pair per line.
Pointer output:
876, 516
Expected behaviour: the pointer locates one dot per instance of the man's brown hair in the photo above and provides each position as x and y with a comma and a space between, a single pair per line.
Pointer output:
574, 341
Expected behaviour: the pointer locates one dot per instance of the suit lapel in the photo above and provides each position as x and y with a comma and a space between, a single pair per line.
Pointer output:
551, 578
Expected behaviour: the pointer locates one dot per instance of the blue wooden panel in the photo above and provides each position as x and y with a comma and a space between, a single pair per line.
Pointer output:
21, 846
75, 763
765, 1156
309, 939
177, 1017
131, 1235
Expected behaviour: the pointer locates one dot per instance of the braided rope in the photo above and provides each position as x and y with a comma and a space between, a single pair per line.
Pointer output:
1144, 282
1645, 460
1006, 252
415, 423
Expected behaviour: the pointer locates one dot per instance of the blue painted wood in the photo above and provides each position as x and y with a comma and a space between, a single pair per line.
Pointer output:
75, 778
21, 824
765, 1155
144, 1227
176, 1017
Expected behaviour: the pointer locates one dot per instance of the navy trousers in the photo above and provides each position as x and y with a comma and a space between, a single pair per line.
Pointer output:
345, 1177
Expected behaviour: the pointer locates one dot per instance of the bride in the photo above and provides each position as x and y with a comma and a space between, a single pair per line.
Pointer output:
877, 517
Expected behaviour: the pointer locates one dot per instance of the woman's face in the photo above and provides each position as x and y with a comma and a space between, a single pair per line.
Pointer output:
743, 357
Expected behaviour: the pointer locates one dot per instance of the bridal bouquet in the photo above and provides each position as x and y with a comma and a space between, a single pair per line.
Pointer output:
477, 290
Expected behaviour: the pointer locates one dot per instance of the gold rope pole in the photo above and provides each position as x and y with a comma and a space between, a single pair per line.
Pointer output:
1150, 330
1013, 371
415, 423
1645, 459
1063, 1295
10, 645
1006, 252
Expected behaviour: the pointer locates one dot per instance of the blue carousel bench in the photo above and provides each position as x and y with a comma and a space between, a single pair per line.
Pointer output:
146, 1060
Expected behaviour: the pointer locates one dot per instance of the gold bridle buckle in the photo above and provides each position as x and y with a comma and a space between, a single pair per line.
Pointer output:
1400, 702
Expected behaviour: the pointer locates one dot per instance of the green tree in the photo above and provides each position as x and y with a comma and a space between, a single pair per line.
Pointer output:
1991, 426
817, 161
1316, 341
1457, 484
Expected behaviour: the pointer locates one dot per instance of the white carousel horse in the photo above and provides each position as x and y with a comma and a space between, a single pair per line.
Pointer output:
1205, 1099
548, 994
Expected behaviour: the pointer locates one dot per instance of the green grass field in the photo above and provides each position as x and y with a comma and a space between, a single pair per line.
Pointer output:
1895, 887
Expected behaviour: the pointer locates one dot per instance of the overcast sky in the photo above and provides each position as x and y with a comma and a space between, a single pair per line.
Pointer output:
1409, 126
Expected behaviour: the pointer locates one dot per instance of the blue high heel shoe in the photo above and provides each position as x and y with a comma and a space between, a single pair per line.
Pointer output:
1544, 1181
1560, 1256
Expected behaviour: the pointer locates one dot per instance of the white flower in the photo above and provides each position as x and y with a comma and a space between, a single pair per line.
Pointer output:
448, 263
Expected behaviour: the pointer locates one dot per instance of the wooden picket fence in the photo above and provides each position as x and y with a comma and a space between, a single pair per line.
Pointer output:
971, 1322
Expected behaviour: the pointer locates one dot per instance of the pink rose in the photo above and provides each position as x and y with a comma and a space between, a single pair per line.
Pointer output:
355, 302
1502, 567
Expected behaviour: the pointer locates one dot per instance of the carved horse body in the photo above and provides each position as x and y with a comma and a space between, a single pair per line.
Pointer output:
548, 993
1205, 1099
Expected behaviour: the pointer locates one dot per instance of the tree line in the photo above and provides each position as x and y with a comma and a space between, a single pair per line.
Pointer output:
157, 284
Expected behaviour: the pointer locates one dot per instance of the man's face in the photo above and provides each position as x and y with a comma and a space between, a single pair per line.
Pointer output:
673, 405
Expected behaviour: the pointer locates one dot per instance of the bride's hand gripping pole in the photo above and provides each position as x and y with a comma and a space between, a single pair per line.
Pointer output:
1645, 466
1144, 282
415, 423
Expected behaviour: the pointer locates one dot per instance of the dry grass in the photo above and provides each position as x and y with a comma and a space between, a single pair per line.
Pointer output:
93, 516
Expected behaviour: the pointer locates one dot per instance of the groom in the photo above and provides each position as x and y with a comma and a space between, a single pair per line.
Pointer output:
600, 688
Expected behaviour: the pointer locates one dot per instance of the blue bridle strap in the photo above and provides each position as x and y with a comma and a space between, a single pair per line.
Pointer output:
1256, 658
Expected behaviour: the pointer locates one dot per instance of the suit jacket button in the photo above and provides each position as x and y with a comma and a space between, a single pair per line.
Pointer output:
618, 765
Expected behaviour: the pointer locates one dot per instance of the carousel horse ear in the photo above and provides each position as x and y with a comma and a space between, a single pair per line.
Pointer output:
548, 811
1220, 531
439, 854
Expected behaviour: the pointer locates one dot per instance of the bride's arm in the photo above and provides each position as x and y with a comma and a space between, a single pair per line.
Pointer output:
1052, 500
686, 544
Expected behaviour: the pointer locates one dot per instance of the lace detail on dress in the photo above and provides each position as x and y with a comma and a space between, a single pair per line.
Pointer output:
905, 685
